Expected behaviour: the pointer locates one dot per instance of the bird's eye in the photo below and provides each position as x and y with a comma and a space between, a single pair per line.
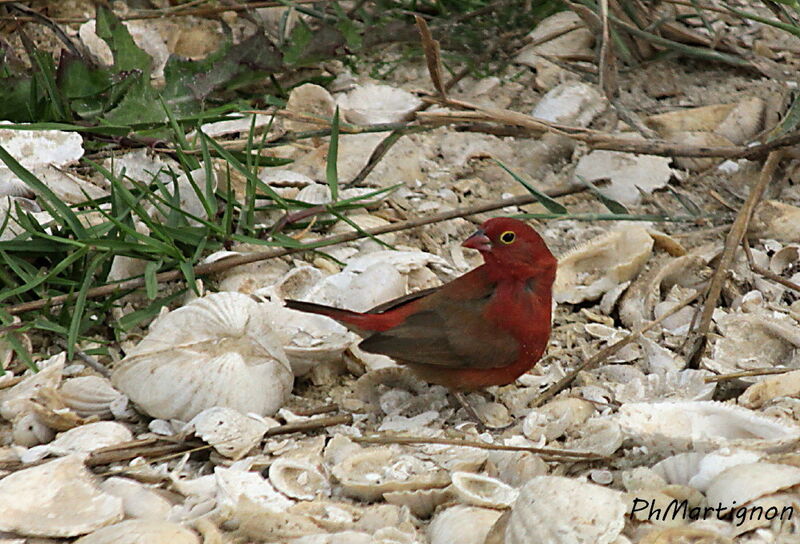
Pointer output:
508, 237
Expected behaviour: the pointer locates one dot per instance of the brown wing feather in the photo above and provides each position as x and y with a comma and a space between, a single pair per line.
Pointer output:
448, 332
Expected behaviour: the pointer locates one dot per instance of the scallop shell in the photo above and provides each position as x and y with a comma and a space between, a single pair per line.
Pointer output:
215, 351
328, 515
462, 524
515, 467
260, 523
600, 435
700, 424
681, 385
370, 473
138, 500
761, 393
601, 264
90, 437
14, 400
239, 489
299, 478
479, 490
742, 484
232, 433
372, 104
135, 531
56, 499
558, 510
699, 469
89, 396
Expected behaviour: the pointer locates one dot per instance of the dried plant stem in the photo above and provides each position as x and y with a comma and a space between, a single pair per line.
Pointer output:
225, 264
769, 274
311, 424
732, 241
748, 373
608, 351
544, 452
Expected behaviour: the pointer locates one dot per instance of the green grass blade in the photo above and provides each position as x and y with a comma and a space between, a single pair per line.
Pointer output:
331, 170
612, 205
80, 302
550, 205
64, 216
150, 281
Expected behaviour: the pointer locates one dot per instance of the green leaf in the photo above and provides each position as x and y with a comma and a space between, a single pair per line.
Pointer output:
132, 319
331, 172
550, 204
612, 205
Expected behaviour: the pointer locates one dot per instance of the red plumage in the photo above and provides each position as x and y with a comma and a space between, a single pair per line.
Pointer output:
484, 328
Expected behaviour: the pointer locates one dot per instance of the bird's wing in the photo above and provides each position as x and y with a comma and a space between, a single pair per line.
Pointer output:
448, 331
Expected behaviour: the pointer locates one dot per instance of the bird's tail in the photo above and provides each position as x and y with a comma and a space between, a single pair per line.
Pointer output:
352, 320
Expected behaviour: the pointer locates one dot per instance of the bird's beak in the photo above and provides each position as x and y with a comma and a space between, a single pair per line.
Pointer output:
478, 241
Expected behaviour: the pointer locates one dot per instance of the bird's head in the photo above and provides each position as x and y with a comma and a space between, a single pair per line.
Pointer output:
511, 243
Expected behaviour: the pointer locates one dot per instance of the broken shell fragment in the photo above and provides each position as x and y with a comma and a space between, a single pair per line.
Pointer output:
57, 499
480, 490
462, 524
770, 388
298, 478
138, 500
90, 437
215, 351
29, 431
89, 396
420, 502
372, 104
742, 484
137, 531
14, 400
696, 424
590, 270
232, 433
371, 472
777, 221
558, 510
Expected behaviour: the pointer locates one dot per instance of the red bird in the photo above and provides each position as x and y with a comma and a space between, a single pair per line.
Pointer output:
484, 328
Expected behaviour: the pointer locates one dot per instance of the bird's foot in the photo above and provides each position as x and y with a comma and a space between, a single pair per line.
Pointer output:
479, 421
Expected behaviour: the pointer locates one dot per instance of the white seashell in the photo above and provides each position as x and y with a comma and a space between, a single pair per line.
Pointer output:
372, 104
516, 467
588, 271
370, 473
626, 172
785, 258
555, 418
298, 478
480, 490
89, 395
232, 433
308, 339
742, 484
699, 469
90, 437
684, 535
235, 485
29, 431
212, 352
297, 282
420, 502
571, 103
14, 400
345, 537
258, 521
136, 531
57, 499
695, 424
138, 500
558, 510
600, 435
309, 99
365, 221
328, 515
671, 385
462, 524
284, 177
772, 387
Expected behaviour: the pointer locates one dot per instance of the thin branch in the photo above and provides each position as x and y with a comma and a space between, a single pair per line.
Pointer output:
732, 241
608, 351
769, 274
225, 264
545, 452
